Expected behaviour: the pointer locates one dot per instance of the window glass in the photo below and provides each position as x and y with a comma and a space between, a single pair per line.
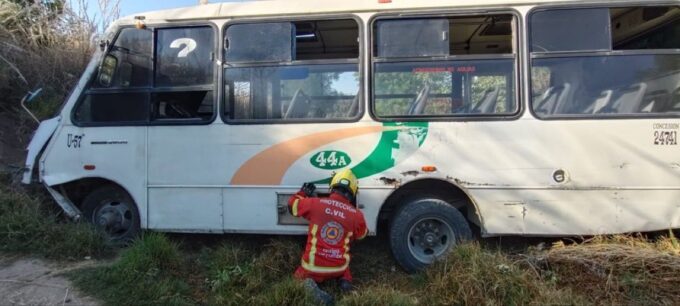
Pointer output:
184, 56
621, 83
131, 58
646, 28
290, 87
570, 30
110, 108
260, 42
458, 35
293, 92
606, 85
458, 86
412, 37
479, 87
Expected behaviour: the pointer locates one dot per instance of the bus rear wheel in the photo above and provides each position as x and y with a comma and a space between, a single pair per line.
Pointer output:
424, 230
112, 210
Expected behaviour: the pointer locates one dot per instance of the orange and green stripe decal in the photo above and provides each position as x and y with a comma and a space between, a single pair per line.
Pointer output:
269, 166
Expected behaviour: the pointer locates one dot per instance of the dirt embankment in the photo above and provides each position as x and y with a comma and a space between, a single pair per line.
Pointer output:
14, 137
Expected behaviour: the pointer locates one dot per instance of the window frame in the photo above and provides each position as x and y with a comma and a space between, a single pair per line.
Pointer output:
517, 56
151, 90
225, 107
573, 54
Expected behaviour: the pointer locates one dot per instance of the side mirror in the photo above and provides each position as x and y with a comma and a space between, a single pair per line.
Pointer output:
106, 70
33, 94
28, 98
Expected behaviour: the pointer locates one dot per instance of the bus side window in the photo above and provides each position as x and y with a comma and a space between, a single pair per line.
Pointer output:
132, 51
455, 66
184, 74
310, 72
118, 93
591, 80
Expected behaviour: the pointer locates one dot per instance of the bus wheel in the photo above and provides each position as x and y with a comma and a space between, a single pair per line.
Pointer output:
112, 210
424, 230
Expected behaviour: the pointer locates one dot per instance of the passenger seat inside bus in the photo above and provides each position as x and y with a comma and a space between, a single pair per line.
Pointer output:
552, 99
628, 101
189, 105
299, 105
418, 105
600, 102
487, 104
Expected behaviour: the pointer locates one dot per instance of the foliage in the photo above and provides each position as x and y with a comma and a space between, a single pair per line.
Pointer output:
42, 44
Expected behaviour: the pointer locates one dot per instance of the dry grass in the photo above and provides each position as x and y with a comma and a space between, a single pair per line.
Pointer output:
619, 269
471, 275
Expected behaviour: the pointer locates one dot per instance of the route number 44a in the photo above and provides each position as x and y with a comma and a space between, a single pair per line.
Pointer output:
330, 160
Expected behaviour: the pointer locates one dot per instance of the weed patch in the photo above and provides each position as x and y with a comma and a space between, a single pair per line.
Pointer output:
27, 225
471, 275
150, 272
619, 269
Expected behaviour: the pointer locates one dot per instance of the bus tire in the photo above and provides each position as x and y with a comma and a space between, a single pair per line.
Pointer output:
426, 229
112, 210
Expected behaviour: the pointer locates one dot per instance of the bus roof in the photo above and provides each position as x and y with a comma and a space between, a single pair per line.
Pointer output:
302, 7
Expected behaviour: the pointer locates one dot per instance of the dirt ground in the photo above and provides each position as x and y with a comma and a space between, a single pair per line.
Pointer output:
26, 281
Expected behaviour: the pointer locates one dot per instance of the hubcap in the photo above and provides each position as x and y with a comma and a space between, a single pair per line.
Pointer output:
114, 217
429, 239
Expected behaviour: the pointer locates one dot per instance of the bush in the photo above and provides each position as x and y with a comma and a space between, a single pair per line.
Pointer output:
42, 44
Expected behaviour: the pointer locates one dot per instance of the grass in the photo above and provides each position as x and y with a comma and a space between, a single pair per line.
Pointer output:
256, 270
150, 272
30, 225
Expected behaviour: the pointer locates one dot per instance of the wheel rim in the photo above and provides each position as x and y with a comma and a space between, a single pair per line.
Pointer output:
114, 217
429, 239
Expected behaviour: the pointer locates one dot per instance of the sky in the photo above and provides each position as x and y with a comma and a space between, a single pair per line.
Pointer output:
130, 7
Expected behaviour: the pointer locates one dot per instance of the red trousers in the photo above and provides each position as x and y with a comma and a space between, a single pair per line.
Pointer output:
301, 273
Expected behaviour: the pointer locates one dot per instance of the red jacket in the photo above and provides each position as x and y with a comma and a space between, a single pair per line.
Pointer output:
333, 224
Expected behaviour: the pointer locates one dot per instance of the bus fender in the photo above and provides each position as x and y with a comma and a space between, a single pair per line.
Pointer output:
40, 138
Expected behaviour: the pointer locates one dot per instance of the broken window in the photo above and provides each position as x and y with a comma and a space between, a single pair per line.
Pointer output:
127, 89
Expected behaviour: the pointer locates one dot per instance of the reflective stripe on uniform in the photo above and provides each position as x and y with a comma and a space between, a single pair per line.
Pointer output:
312, 250
313, 268
295, 206
346, 255
364, 235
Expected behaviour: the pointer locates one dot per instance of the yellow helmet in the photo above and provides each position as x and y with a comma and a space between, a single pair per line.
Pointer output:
346, 179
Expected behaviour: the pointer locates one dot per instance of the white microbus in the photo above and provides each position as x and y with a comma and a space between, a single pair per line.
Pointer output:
521, 117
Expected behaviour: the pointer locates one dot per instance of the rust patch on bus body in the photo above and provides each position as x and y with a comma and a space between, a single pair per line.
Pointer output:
390, 181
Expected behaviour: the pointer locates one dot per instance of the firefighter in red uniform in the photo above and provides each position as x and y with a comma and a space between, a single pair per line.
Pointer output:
334, 222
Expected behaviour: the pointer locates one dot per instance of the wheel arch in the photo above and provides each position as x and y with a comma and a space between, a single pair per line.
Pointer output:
76, 190
446, 190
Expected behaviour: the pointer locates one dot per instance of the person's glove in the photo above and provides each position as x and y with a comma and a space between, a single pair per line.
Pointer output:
308, 189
